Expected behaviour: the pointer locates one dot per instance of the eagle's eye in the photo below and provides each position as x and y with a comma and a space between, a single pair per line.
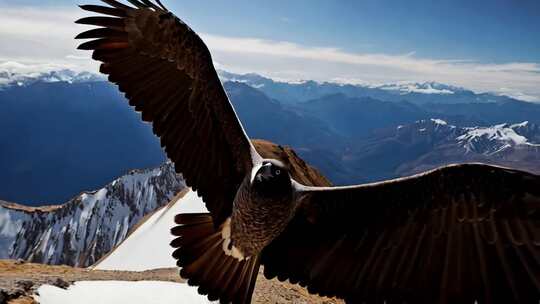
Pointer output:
278, 172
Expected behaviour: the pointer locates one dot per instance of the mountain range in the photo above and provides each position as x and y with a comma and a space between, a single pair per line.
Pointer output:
58, 124
418, 93
427, 144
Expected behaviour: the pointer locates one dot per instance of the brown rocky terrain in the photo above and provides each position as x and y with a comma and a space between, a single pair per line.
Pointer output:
19, 282
28, 209
299, 169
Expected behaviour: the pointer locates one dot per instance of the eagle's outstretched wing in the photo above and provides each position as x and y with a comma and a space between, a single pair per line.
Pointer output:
166, 72
458, 234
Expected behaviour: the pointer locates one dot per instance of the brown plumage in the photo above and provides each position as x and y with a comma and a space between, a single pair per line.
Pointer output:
458, 234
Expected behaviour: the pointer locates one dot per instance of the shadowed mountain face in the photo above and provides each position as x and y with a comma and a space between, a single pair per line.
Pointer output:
268, 119
60, 138
358, 117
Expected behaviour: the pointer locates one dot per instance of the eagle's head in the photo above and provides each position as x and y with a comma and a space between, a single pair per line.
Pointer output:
271, 180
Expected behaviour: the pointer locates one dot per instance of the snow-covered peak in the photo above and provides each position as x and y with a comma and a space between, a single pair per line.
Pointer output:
432, 130
498, 132
432, 123
439, 121
250, 79
494, 139
18, 74
520, 125
257, 81
479, 140
422, 88
88, 226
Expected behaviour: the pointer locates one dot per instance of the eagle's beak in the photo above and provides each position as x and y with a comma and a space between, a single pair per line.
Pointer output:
266, 171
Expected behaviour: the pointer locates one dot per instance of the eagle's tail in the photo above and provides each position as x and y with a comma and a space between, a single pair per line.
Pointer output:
199, 252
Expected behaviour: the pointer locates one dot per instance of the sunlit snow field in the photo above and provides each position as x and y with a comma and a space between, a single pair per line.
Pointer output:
114, 292
145, 249
148, 247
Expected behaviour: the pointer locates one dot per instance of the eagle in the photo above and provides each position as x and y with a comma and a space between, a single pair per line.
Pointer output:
467, 233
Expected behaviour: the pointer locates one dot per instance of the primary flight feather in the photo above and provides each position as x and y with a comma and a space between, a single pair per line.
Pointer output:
458, 234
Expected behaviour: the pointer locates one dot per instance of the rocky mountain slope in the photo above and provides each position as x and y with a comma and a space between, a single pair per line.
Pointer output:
88, 226
510, 145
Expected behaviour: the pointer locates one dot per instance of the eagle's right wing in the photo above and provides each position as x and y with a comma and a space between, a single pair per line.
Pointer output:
167, 74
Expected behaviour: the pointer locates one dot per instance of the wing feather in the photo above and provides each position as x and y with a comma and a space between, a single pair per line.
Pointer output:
166, 73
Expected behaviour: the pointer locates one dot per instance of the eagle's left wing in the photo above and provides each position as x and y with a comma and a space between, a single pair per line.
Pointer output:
458, 234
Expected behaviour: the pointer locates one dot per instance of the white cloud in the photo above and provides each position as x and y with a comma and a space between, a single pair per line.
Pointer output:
517, 94
290, 60
46, 35
43, 37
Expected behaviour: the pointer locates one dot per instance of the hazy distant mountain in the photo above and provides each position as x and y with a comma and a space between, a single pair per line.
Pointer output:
13, 78
417, 93
512, 111
58, 139
427, 144
357, 117
267, 119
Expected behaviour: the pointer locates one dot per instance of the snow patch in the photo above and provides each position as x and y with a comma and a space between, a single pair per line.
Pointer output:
494, 139
148, 246
439, 121
421, 88
519, 125
114, 292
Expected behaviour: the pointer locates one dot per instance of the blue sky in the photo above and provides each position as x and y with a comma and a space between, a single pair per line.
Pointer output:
491, 31
369, 41
485, 30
